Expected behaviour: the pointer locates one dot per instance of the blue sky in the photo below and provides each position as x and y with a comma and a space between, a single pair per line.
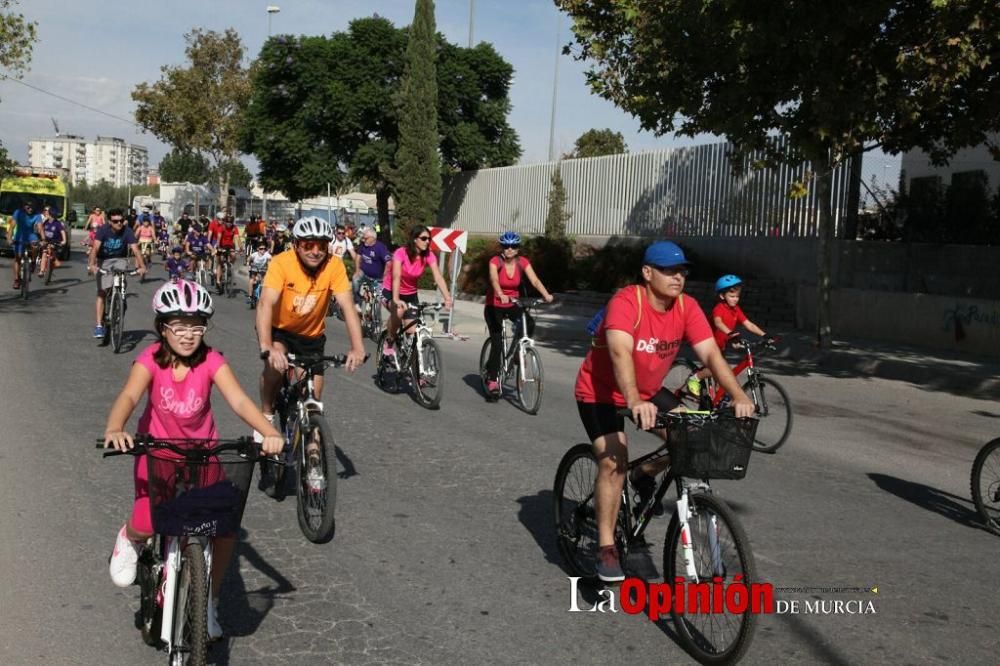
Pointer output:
95, 52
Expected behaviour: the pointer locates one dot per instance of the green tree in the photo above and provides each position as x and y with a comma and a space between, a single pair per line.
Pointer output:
107, 195
179, 166
235, 173
557, 215
323, 110
835, 78
595, 143
17, 38
200, 108
418, 166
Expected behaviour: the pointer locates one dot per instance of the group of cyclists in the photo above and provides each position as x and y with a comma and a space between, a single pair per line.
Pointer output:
35, 232
634, 345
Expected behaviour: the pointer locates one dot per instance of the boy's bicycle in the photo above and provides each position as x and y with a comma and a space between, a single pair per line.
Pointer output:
309, 448
371, 309
986, 485
417, 355
774, 407
197, 490
704, 541
255, 292
115, 306
519, 361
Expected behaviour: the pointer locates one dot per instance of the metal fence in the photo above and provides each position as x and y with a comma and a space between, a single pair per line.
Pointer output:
674, 192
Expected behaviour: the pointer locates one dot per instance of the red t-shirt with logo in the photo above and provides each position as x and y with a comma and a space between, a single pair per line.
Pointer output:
227, 236
731, 317
509, 284
214, 227
656, 341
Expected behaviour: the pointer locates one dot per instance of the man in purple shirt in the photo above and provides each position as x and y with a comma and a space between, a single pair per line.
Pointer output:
373, 259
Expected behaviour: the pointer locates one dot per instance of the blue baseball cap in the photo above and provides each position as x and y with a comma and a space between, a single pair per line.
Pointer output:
664, 253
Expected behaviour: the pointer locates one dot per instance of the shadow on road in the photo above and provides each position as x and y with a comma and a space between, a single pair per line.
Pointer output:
241, 611
536, 515
937, 501
347, 468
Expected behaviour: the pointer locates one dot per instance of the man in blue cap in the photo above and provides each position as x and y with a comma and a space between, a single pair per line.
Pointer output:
631, 353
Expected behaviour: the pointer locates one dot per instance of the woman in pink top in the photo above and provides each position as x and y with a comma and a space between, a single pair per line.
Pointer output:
399, 287
94, 222
177, 374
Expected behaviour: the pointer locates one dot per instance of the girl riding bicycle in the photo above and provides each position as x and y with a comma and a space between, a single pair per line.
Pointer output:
399, 288
177, 373
506, 271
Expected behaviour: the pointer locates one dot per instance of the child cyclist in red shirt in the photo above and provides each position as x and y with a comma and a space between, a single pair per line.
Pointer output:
177, 373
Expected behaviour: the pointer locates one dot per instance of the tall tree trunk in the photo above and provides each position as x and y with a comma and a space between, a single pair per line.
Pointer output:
382, 209
853, 198
824, 254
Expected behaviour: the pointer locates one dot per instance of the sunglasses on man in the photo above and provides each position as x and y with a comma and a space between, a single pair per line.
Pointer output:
312, 245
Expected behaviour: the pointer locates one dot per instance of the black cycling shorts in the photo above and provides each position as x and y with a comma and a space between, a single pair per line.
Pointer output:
601, 419
301, 345
410, 299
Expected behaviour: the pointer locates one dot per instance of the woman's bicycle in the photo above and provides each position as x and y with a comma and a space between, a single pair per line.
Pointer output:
115, 306
197, 490
986, 485
309, 448
371, 309
705, 542
417, 356
520, 363
773, 406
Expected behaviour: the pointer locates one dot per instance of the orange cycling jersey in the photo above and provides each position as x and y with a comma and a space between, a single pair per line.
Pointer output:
303, 298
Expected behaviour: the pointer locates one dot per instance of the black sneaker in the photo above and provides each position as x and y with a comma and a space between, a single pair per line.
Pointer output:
609, 570
645, 486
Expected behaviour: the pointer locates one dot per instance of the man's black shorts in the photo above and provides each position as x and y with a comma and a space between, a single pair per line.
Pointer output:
301, 345
601, 419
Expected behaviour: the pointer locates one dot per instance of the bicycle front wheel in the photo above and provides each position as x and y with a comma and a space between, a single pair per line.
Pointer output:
25, 276
50, 262
719, 548
317, 483
117, 315
986, 485
529, 381
774, 409
190, 627
384, 366
427, 371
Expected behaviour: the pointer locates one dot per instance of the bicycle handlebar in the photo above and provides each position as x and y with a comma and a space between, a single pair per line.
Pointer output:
145, 442
302, 361
117, 271
530, 302
690, 416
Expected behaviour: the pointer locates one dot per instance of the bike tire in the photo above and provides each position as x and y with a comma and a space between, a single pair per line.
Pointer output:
190, 627
376, 320
117, 320
712, 638
574, 512
383, 366
315, 508
985, 485
150, 614
429, 387
49, 265
774, 409
484, 356
530, 381
25, 277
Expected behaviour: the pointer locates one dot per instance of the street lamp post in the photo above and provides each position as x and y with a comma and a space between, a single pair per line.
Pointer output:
555, 88
271, 9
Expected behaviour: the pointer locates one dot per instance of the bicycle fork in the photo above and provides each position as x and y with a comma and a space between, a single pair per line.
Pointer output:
687, 549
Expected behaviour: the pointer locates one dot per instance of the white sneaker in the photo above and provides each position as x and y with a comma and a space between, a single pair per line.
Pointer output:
214, 628
124, 559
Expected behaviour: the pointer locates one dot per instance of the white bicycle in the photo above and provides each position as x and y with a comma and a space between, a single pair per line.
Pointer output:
520, 364
417, 356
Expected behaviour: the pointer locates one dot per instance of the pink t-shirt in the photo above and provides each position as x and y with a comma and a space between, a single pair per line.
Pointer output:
656, 342
179, 409
410, 273
510, 285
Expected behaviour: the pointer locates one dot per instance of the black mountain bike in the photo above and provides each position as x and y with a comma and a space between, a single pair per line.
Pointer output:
309, 448
700, 445
115, 306
197, 490
417, 357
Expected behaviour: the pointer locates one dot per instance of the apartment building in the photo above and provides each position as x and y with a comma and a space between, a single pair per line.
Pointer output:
107, 159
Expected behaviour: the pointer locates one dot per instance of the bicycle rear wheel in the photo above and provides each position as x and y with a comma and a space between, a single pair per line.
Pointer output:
986, 485
117, 317
573, 509
317, 483
710, 637
190, 627
484, 356
428, 384
774, 409
530, 379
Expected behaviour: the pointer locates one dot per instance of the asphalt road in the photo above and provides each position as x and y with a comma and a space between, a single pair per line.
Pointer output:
444, 552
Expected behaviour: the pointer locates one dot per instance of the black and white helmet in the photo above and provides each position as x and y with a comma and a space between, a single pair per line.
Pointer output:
313, 227
183, 297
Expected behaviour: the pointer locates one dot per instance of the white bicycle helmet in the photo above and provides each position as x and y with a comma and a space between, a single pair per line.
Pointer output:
183, 297
281, 228
313, 227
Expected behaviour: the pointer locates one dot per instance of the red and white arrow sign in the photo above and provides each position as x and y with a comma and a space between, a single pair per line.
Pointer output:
449, 240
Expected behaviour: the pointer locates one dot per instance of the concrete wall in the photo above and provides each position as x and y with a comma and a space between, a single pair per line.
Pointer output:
933, 322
